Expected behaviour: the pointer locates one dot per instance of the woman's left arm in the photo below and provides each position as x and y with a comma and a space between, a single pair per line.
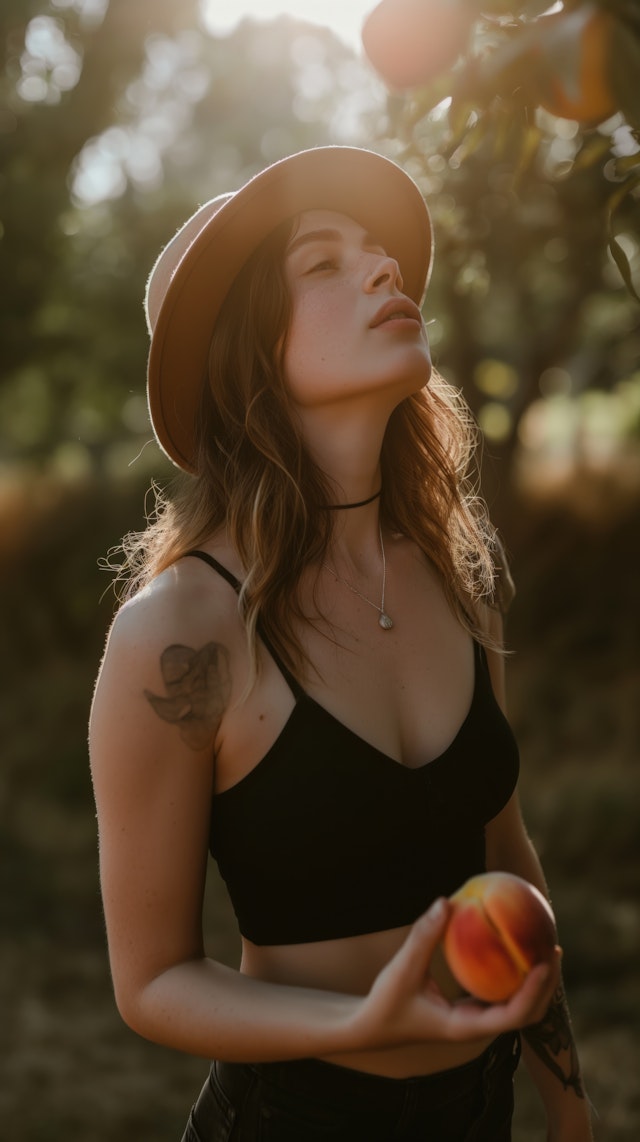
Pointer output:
548, 1047
549, 1050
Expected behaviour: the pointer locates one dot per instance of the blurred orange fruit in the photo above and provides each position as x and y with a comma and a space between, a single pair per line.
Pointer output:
584, 91
409, 42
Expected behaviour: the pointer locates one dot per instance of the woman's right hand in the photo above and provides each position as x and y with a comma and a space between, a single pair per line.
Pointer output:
405, 1005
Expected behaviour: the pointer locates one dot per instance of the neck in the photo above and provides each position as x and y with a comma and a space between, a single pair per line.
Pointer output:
345, 442
355, 540
360, 503
347, 449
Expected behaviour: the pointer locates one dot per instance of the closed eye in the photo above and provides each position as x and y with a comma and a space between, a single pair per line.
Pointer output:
325, 264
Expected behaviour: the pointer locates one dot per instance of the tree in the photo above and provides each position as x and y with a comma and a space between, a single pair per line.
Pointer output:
116, 128
536, 214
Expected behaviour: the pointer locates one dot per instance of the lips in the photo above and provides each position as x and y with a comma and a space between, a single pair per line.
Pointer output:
396, 308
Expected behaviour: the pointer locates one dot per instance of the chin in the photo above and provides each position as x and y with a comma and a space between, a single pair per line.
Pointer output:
418, 378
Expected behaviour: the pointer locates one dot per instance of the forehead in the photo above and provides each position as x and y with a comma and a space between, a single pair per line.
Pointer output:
321, 221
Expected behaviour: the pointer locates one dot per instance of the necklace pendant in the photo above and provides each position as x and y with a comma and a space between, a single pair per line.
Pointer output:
384, 621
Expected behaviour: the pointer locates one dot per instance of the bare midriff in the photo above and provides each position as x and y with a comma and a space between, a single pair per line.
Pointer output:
350, 966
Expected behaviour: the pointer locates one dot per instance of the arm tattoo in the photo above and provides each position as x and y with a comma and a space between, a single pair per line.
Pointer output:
552, 1036
198, 684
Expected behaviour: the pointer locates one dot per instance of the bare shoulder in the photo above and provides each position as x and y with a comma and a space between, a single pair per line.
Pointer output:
185, 598
169, 654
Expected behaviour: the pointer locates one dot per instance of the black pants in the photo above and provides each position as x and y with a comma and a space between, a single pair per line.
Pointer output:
312, 1101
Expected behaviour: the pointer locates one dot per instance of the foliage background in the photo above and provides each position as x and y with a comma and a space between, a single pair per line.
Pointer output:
116, 119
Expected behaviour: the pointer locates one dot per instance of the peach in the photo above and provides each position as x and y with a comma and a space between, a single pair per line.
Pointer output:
577, 61
410, 42
500, 927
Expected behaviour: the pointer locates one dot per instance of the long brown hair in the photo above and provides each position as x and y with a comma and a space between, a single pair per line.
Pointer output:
255, 476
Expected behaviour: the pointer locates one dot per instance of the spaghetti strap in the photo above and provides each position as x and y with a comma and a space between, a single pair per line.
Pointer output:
292, 682
231, 579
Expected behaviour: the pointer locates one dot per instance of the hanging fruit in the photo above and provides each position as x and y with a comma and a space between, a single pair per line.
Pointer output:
411, 42
575, 63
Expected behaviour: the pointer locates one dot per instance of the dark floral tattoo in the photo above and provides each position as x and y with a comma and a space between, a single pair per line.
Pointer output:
553, 1035
198, 684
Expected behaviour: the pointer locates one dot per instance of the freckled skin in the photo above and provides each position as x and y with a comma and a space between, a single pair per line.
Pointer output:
333, 355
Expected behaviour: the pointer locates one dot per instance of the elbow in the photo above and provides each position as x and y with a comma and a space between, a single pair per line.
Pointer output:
136, 1002
130, 1007
151, 1006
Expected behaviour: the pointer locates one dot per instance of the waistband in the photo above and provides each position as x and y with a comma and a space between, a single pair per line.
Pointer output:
310, 1077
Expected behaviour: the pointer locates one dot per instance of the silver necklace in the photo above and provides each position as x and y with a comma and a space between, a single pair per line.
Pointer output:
384, 620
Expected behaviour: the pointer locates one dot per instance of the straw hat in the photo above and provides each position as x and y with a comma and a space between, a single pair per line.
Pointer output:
194, 273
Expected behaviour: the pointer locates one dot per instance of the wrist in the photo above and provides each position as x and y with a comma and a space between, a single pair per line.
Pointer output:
571, 1124
347, 1029
359, 1029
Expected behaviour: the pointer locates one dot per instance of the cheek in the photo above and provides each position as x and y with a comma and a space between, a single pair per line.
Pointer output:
314, 344
313, 315
303, 364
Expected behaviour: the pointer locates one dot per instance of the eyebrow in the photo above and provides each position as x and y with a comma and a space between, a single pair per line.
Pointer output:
325, 235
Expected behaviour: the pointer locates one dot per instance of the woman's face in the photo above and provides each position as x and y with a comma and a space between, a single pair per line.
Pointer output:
352, 333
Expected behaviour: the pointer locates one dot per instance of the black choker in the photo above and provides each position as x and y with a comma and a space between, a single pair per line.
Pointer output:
360, 503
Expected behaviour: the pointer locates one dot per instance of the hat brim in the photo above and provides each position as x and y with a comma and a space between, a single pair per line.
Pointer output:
373, 190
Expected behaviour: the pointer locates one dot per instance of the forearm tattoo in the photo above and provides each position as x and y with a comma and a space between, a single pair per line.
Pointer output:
553, 1035
198, 684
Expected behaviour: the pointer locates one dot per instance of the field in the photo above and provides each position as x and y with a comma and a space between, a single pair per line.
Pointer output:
71, 1070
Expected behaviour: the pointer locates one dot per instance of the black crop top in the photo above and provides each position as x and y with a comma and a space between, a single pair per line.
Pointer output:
328, 837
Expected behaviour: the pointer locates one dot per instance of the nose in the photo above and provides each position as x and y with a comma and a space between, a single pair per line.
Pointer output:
383, 271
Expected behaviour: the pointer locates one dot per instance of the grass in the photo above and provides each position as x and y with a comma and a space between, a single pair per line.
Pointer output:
71, 1069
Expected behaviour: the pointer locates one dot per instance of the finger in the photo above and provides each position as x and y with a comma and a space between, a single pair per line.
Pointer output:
413, 958
542, 981
427, 932
547, 985
528, 1005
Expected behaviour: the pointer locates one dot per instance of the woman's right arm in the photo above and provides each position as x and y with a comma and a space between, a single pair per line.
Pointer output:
157, 715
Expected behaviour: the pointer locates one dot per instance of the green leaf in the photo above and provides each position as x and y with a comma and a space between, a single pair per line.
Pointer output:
626, 163
593, 151
622, 262
617, 253
530, 143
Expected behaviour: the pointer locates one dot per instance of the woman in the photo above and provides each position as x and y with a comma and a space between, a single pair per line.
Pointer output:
304, 678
